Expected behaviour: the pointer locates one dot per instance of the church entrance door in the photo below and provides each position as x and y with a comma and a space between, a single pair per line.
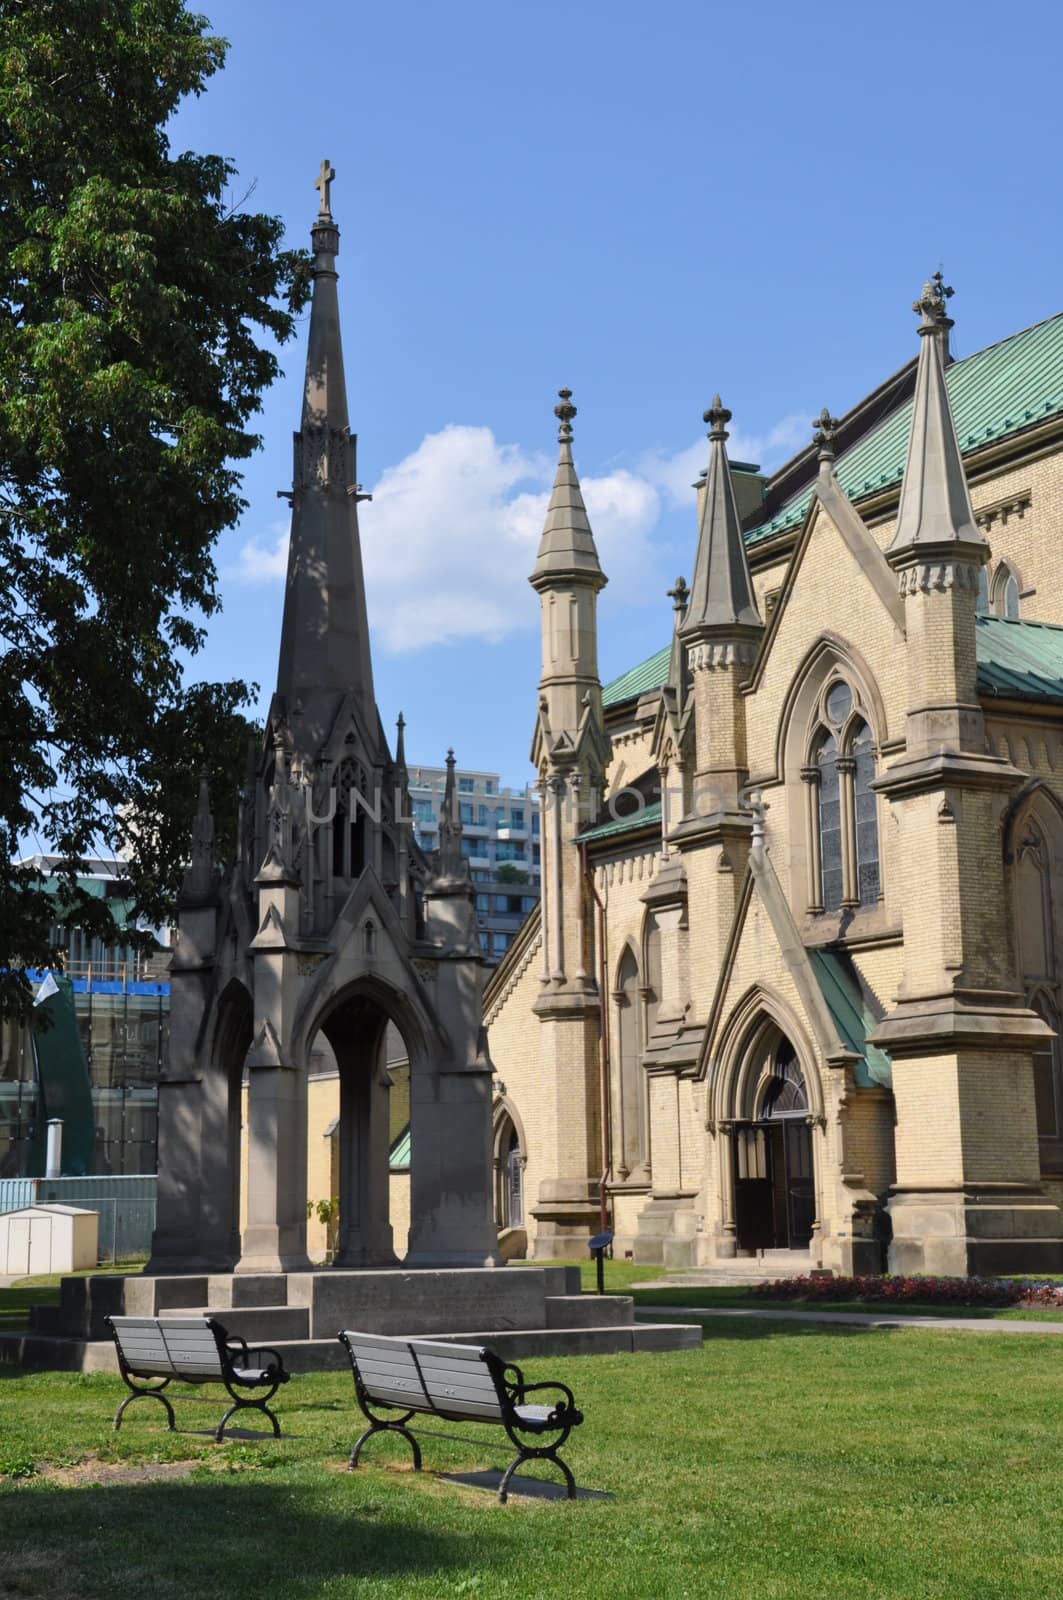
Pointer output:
775, 1203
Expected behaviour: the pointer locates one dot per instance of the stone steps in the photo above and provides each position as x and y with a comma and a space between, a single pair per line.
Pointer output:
33, 1350
589, 1310
256, 1324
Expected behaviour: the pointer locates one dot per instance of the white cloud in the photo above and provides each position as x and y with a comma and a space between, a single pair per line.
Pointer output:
450, 535
263, 562
675, 474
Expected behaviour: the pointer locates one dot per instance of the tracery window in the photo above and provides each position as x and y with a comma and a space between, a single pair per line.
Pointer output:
842, 809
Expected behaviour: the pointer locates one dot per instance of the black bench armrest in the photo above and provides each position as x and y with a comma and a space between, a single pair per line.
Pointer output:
275, 1363
566, 1408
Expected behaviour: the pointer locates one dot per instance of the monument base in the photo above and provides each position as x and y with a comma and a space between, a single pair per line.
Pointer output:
519, 1310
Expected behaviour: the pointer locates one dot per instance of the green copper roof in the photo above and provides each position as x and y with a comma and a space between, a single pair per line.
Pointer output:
1020, 660
995, 392
1016, 659
851, 1014
399, 1157
650, 674
639, 819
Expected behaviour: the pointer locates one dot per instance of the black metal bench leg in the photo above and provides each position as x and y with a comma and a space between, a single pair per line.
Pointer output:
246, 1405
143, 1394
386, 1427
535, 1455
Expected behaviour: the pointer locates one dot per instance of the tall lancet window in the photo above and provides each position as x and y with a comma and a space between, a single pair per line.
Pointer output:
630, 1123
348, 824
830, 822
843, 811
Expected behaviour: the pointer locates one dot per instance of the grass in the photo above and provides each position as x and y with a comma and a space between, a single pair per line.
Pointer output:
774, 1463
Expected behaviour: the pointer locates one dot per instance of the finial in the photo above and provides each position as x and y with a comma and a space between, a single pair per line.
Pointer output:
679, 594
400, 742
931, 305
717, 416
450, 758
826, 428
322, 183
564, 413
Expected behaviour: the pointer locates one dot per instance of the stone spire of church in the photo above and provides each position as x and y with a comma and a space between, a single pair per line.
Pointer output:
452, 864
935, 507
722, 603
324, 652
567, 547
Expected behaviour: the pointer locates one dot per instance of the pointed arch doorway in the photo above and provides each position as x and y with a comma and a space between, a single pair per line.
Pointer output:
774, 1187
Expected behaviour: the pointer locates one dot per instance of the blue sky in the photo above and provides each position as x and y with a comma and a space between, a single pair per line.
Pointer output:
646, 203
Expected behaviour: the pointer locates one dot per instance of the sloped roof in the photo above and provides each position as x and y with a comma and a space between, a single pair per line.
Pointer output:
645, 818
994, 393
851, 1014
650, 674
1016, 659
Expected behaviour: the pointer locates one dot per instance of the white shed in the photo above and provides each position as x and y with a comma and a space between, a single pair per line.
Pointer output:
50, 1238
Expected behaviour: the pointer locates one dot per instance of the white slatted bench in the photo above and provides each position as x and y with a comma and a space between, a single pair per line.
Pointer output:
194, 1350
457, 1383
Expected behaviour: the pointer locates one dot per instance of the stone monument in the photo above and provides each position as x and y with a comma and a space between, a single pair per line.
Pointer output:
331, 920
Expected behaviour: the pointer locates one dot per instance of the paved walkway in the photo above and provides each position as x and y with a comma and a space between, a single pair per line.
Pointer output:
859, 1319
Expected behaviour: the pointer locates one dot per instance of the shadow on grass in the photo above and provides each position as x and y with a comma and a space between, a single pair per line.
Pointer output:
236, 1537
714, 1329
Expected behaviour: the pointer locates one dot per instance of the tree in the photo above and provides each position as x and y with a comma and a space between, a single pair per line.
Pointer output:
133, 303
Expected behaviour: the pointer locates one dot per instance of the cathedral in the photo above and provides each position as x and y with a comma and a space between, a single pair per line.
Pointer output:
793, 989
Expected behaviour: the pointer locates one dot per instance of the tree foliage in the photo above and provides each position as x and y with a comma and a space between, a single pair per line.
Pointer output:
139, 311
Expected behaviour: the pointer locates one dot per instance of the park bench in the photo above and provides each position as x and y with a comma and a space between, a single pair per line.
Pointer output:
194, 1350
457, 1383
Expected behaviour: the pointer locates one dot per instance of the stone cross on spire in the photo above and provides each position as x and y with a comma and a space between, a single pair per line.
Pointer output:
679, 594
826, 431
564, 413
323, 182
931, 303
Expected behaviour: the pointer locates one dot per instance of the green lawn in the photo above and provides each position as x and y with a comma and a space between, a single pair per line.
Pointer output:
774, 1462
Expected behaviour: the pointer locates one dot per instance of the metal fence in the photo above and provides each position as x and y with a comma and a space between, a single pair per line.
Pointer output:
126, 1206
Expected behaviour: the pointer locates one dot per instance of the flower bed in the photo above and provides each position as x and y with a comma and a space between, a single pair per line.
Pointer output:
897, 1290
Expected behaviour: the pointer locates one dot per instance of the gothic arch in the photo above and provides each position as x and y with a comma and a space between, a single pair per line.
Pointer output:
1005, 590
859, 734
737, 1066
829, 655
509, 1150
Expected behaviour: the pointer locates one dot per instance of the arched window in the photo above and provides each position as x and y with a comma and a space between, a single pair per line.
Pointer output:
509, 1174
1036, 954
842, 811
1004, 592
630, 1124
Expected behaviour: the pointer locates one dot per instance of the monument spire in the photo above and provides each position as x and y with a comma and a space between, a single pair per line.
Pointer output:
324, 653
567, 546
935, 507
721, 591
